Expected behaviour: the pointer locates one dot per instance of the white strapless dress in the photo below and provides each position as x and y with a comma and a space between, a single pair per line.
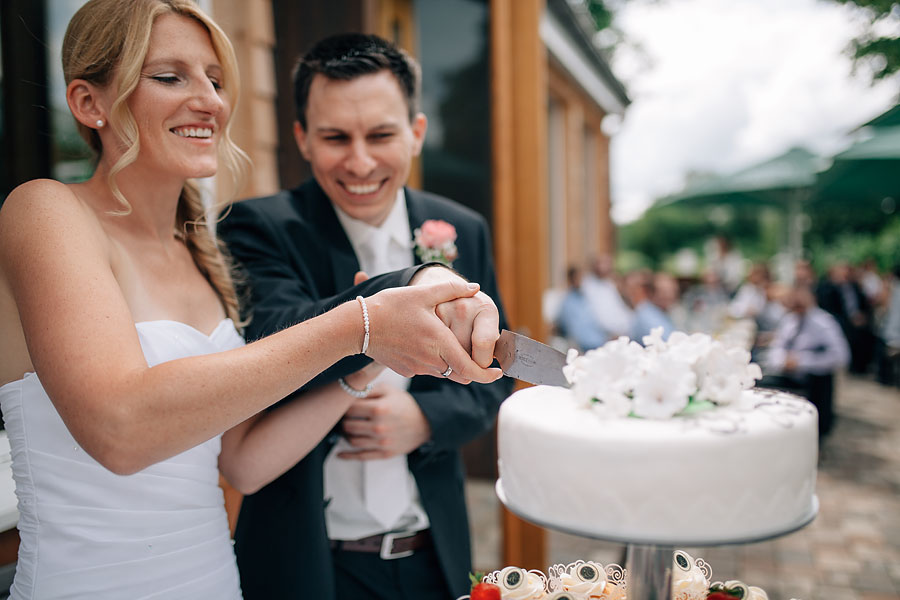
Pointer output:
88, 533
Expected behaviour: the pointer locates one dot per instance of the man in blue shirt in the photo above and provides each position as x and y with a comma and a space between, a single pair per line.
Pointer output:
807, 349
575, 320
648, 314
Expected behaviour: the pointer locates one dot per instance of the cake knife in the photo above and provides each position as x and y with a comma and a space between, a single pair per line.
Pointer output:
523, 358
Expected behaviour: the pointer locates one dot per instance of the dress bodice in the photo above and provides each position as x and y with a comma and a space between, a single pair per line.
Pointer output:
89, 533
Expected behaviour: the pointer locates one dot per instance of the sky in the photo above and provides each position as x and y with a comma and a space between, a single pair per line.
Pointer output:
717, 85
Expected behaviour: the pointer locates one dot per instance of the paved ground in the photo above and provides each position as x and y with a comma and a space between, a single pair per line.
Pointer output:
850, 552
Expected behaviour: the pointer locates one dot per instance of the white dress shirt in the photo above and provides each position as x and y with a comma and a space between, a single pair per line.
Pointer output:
346, 514
610, 310
749, 302
815, 341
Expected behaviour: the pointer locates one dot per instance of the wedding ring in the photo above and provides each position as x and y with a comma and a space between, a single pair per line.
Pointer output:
447, 372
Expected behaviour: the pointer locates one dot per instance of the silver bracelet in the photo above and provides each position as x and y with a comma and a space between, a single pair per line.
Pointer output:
365, 310
363, 393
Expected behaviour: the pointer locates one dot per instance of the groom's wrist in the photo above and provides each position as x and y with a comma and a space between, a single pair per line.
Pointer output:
435, 272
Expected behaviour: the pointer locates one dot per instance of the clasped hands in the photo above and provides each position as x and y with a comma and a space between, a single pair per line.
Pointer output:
438, 321
458, 332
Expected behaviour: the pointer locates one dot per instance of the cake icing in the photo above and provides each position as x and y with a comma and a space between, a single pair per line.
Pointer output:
736, 465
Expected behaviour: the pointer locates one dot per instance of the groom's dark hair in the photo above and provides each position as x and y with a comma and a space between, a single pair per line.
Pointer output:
346, 56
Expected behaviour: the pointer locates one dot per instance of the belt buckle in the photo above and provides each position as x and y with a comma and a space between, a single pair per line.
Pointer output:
387, 545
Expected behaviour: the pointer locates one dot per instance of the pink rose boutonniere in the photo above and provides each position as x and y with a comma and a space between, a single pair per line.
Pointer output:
434, 242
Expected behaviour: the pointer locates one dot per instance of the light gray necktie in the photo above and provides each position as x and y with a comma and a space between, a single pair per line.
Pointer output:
385, 481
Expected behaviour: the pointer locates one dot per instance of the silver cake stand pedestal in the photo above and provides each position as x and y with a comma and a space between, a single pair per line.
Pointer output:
648, 562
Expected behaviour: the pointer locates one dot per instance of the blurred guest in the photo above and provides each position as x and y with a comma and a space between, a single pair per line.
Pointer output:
750, 299
600, 289
575, 320
773, 311
648, 314
706, 303
806, 351
726, 261
804, 274
844, 298
889, 365
767, 321
666, 292
872, 283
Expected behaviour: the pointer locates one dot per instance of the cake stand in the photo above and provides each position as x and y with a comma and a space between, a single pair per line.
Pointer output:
648, 562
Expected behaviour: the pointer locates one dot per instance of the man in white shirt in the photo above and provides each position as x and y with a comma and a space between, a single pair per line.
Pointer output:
599, 287
808, 348
377, 510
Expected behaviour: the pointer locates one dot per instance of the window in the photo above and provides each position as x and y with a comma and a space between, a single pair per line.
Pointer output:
455, 62
71, 158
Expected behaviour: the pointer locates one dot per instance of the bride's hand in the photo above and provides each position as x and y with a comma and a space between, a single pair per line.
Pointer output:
407, 335
474, 320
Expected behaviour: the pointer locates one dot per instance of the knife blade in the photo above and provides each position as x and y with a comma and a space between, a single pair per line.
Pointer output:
529, 360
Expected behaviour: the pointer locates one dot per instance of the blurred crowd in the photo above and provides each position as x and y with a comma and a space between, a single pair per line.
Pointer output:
802, 332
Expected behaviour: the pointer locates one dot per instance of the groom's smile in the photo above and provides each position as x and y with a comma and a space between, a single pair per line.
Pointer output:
360, 142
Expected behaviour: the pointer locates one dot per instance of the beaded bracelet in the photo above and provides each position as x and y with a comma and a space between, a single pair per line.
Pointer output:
365, 311
363, 393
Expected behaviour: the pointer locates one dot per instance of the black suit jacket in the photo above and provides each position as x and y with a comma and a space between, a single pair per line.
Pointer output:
831, 299
299, 263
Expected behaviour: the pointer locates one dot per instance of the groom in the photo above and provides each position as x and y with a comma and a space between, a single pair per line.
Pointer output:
377, 510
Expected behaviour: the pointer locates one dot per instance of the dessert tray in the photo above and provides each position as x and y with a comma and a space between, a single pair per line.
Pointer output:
584, 580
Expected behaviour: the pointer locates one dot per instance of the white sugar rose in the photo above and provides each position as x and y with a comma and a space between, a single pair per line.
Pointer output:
691, 348
724, 373
607, 373
660, 379
655, 340
666, 391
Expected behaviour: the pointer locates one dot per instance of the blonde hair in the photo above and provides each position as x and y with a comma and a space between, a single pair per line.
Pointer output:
105, 43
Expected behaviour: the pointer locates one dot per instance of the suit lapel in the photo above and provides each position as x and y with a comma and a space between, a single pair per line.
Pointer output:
344, 263
417, 213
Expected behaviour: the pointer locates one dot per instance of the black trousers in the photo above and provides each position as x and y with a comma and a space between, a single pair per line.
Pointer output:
365, 576
818, 389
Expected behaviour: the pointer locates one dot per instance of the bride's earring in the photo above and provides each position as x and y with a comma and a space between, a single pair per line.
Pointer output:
99, 123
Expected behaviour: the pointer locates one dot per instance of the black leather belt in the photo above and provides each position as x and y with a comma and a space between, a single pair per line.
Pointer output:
388, 545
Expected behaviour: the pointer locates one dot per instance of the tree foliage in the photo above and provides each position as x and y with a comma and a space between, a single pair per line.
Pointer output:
600, 13
663, 230
875, 46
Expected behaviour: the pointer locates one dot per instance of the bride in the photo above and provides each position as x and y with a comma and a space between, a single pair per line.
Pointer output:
122, 365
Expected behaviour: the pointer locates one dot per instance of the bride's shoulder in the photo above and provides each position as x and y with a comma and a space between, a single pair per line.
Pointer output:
37, 196
42, 209
42, 201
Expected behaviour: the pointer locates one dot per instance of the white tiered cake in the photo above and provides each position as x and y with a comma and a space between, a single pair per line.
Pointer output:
660, 445
735, 473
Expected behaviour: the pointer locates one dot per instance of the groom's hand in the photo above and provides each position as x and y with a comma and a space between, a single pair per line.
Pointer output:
388, 422
475, 321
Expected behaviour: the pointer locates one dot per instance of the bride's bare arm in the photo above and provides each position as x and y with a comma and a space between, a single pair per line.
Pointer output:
266, 445
84, 347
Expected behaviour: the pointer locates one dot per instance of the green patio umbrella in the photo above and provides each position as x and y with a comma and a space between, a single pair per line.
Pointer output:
867, 173
771, 182
786, 181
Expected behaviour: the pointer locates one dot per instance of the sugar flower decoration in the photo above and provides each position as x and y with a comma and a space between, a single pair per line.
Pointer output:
661, 378
435, 242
